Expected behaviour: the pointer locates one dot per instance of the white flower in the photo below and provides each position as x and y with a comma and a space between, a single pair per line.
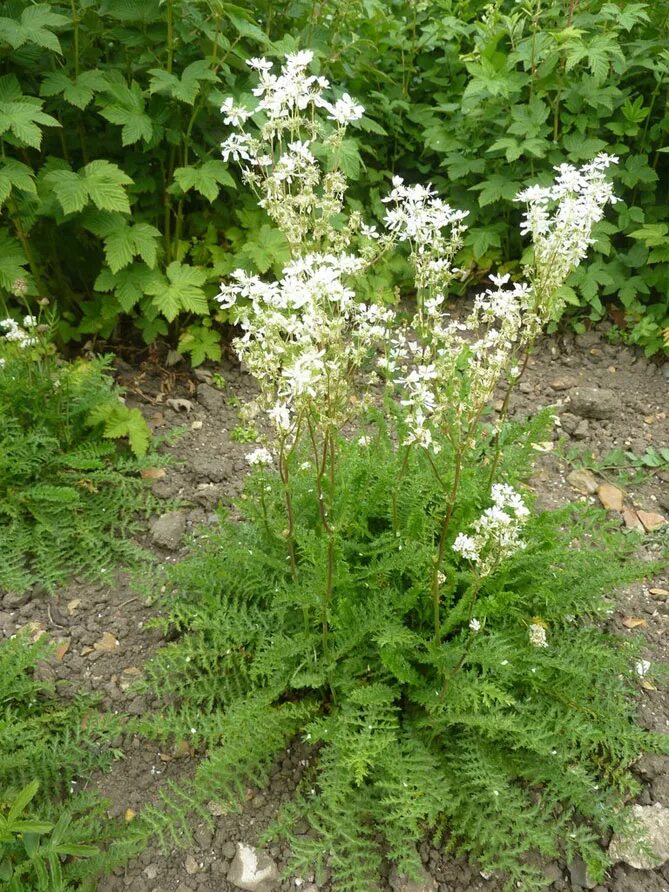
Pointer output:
300, 59
474, 625
346, 110
234, 114
259, 64
260, 456
237, 146
466, 546
537, 635
280, 415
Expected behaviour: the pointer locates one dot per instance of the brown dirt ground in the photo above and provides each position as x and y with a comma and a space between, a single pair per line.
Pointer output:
208, 470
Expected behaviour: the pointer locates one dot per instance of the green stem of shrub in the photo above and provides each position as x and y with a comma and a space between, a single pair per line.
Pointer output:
170, 36
75, 36
22, 236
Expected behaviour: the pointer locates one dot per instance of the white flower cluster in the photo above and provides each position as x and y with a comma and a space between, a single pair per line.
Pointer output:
560, 218
449, 371
260, 456
420, 217
448, 374
496, 533
23, 335
304, 335
296, 192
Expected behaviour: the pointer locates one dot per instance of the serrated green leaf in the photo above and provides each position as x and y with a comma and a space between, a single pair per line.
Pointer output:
145, 238
69, 188
268, 247
105, 182
496, 188
659, 255
79, 91
205, 179
139, 434
34, 27
129, 285
201, 343
10, 88
182, 290
128, 111
13, 262
184, 88
21, 119
246, 28
119, 248
347, 158
651, 234
15, 175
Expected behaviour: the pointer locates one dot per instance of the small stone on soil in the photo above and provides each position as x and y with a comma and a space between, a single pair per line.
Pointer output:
651, 520
399, 882
253, 870
167, 530
610, 496
583, 481
654, 821
593, 402
209, 397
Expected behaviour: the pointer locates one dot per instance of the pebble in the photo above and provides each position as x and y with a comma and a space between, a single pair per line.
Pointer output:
654, 827
168, 530
583, 481
593, 402
399, 882
209, 397
253, 870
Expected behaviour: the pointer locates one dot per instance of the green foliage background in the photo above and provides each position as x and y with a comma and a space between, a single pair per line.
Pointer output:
116, 201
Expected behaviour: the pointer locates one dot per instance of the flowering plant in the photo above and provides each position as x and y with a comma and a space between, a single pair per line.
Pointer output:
389, 595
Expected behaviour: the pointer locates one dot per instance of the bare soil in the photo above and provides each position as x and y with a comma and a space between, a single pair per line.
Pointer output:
104, 625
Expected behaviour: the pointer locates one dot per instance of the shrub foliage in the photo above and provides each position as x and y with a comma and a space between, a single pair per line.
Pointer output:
109, 122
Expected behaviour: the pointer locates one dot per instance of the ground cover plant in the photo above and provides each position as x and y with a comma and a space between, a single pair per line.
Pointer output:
114, 204
70, 493
52, 832
389, 596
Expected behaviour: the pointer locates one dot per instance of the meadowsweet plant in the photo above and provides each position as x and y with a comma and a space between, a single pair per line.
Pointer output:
389, 595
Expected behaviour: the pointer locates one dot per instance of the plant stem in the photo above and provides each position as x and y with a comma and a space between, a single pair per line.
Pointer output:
502, 418
22, 236
170, 35
75, 28
441, 548
290, 532
400, 477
